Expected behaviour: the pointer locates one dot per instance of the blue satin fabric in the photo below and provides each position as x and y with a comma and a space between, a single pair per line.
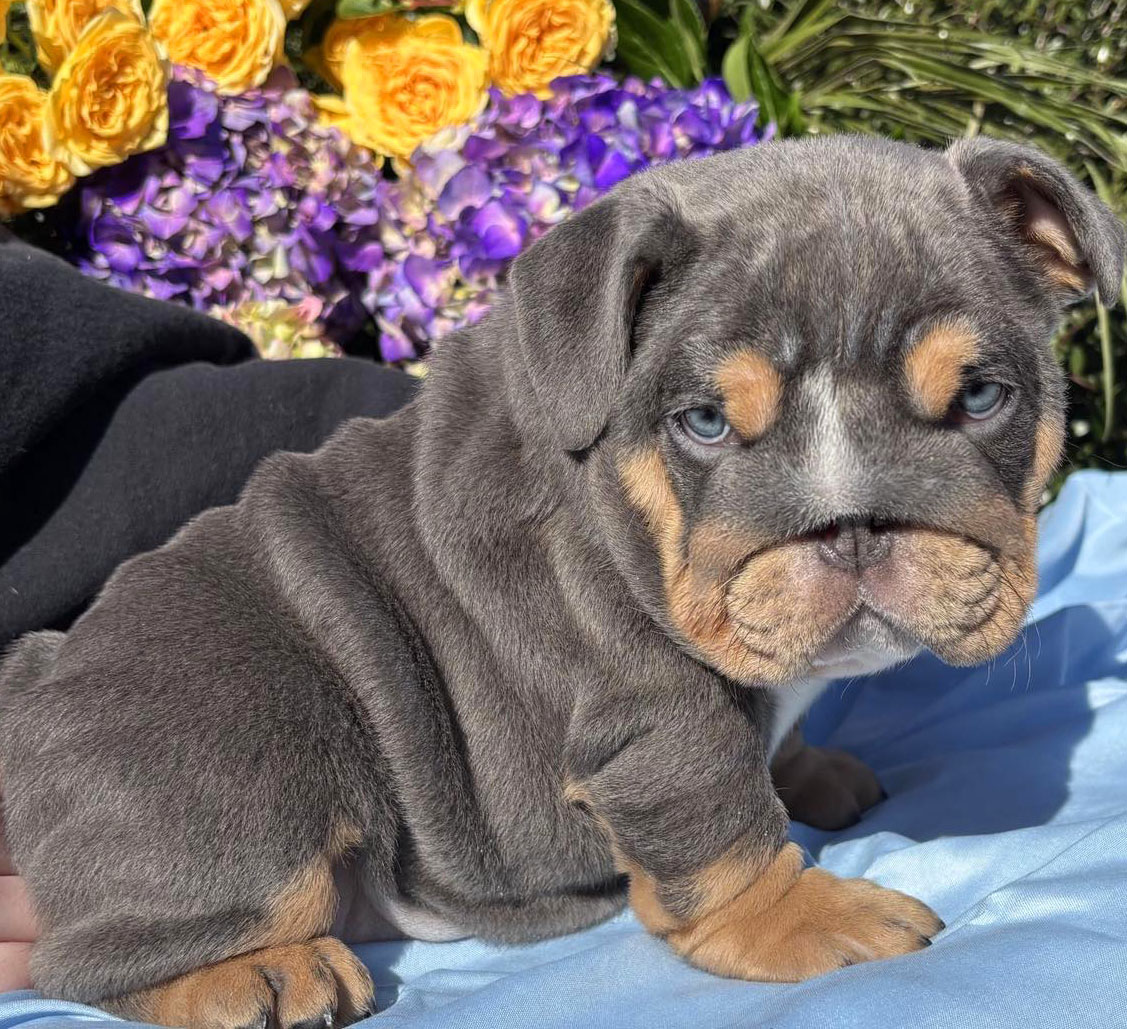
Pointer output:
1007, 814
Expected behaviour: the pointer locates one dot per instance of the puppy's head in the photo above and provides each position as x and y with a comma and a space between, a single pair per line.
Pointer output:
811, 389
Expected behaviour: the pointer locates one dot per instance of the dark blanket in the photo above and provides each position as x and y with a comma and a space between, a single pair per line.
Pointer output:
122, 417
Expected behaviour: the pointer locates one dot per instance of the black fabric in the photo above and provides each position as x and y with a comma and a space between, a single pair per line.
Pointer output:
122, 417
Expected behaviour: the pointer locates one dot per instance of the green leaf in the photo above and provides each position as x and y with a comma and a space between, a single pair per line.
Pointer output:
649, 45
689, 22
364, 8
17, 53
1108, 372
748, 74
804, 20
734, 69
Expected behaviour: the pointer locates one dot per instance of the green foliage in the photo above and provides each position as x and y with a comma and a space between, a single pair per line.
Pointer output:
363, 8
17, 52
1053, 73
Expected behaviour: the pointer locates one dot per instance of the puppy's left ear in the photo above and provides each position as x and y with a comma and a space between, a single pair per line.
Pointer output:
577, 293
1074, 240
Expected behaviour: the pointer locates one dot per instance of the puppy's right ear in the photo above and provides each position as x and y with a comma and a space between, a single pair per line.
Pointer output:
577, 293
1060, 227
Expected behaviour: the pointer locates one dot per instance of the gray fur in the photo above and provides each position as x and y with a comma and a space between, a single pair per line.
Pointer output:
428, 626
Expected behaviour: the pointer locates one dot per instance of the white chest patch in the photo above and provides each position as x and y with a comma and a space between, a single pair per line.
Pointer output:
791, 703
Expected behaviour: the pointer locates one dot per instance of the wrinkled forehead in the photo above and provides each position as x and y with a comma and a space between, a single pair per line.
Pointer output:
839, 312
833, 256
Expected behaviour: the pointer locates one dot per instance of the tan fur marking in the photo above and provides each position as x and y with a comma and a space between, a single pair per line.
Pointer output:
1067, 278
305, 908
734, 875
695, 600
577, 793
1059, 257
780, 923
961, 600
1047, 453
751, 388
749, 623
645, 902
1058, 248
311, 978
734, 597
934, 366
786, 603
757, 915
650, 492
716, 885
1057, 239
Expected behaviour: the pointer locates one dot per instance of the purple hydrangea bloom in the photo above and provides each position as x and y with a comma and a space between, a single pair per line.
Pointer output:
254, 202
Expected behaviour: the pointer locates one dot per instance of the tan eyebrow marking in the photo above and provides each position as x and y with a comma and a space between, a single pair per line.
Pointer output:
751, 388
934, 366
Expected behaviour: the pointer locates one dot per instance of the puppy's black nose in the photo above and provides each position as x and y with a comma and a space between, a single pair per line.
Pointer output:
855, 545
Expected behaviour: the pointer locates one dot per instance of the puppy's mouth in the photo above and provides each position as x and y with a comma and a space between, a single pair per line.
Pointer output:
865, 644
799, 609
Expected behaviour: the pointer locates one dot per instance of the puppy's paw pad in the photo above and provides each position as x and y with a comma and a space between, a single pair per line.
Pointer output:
319, 984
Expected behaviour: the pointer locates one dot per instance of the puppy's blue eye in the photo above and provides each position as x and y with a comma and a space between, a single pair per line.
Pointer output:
705, 424
980, 400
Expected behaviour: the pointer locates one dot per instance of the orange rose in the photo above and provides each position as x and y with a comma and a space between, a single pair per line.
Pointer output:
532, 42
4, 5
110, 97
30, 176
58, 24
235, 43
292, 8
406, 81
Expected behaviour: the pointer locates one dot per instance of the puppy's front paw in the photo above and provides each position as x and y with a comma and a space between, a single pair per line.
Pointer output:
828, 789
315, 985
820, 924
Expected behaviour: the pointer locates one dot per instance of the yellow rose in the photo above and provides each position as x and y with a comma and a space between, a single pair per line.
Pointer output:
404, 84
328, 58
58, 24
235, 43
110, 97
331, 110
532, 42
29, 175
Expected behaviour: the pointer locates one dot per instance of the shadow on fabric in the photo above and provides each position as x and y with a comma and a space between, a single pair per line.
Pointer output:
1011, 726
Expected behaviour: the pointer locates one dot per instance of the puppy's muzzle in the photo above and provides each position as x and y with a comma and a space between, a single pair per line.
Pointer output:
907, 586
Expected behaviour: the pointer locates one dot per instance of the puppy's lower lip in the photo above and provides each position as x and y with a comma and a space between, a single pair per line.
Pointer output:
901, 638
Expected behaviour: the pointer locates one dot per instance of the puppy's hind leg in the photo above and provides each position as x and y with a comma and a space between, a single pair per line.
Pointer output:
315, 983
180, 856
284, 971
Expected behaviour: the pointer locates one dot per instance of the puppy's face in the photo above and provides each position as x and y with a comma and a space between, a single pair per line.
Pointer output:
824, 506
839, 408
